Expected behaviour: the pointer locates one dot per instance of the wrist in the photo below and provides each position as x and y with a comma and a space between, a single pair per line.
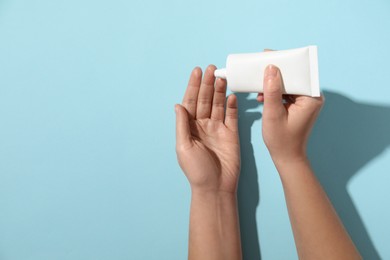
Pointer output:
295, 170
202, 194
291, 161
290, 157
226, 186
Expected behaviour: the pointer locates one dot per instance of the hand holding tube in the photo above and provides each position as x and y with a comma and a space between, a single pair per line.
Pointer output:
318, 232
286, 126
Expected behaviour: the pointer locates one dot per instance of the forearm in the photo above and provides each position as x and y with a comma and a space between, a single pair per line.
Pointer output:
318, 232
214, 226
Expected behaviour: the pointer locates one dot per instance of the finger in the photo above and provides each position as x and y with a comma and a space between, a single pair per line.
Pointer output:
191, 96
273, 93
231, 119
288, 101
308, 101
218, 109
260, 97
205, 97
183, 132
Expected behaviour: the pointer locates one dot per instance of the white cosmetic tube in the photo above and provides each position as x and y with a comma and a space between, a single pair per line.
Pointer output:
299, 68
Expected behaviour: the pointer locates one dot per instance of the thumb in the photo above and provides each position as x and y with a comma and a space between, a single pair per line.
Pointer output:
273, 93
183, 132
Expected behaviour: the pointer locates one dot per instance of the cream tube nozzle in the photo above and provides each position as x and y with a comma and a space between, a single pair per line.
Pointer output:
299, 68
220, 73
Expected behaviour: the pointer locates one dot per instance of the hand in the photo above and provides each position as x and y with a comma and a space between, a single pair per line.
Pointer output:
286, 126
207, 142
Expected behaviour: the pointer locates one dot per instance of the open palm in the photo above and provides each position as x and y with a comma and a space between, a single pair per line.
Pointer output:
207, 141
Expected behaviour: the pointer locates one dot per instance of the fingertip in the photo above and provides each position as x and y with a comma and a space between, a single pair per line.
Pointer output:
273, 92
178, 108
231, 118
273, 83
260, 97
271, 72
209, 72
211, 68
232, 96
208, 77
197, 71
320, 101
220, 85
232, 100
221, 80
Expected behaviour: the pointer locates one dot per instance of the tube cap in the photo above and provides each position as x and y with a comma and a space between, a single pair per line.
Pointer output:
220, 73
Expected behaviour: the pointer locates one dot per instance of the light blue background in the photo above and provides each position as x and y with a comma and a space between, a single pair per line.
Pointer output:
87, 88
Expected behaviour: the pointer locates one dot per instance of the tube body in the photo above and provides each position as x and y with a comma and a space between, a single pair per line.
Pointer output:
299, 68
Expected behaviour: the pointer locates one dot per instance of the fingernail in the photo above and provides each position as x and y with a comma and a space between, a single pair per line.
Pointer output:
271, 72
176, 108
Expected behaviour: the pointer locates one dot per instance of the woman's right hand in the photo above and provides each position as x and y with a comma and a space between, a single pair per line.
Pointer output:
286, 126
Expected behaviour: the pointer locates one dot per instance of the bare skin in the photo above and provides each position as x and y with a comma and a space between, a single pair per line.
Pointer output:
318, 232
207, 147
208, 152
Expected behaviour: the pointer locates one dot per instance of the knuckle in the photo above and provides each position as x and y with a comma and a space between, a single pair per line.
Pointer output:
232, 113
204, 101
220, 88
272, 89
319, 102
218, 105
190, 101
